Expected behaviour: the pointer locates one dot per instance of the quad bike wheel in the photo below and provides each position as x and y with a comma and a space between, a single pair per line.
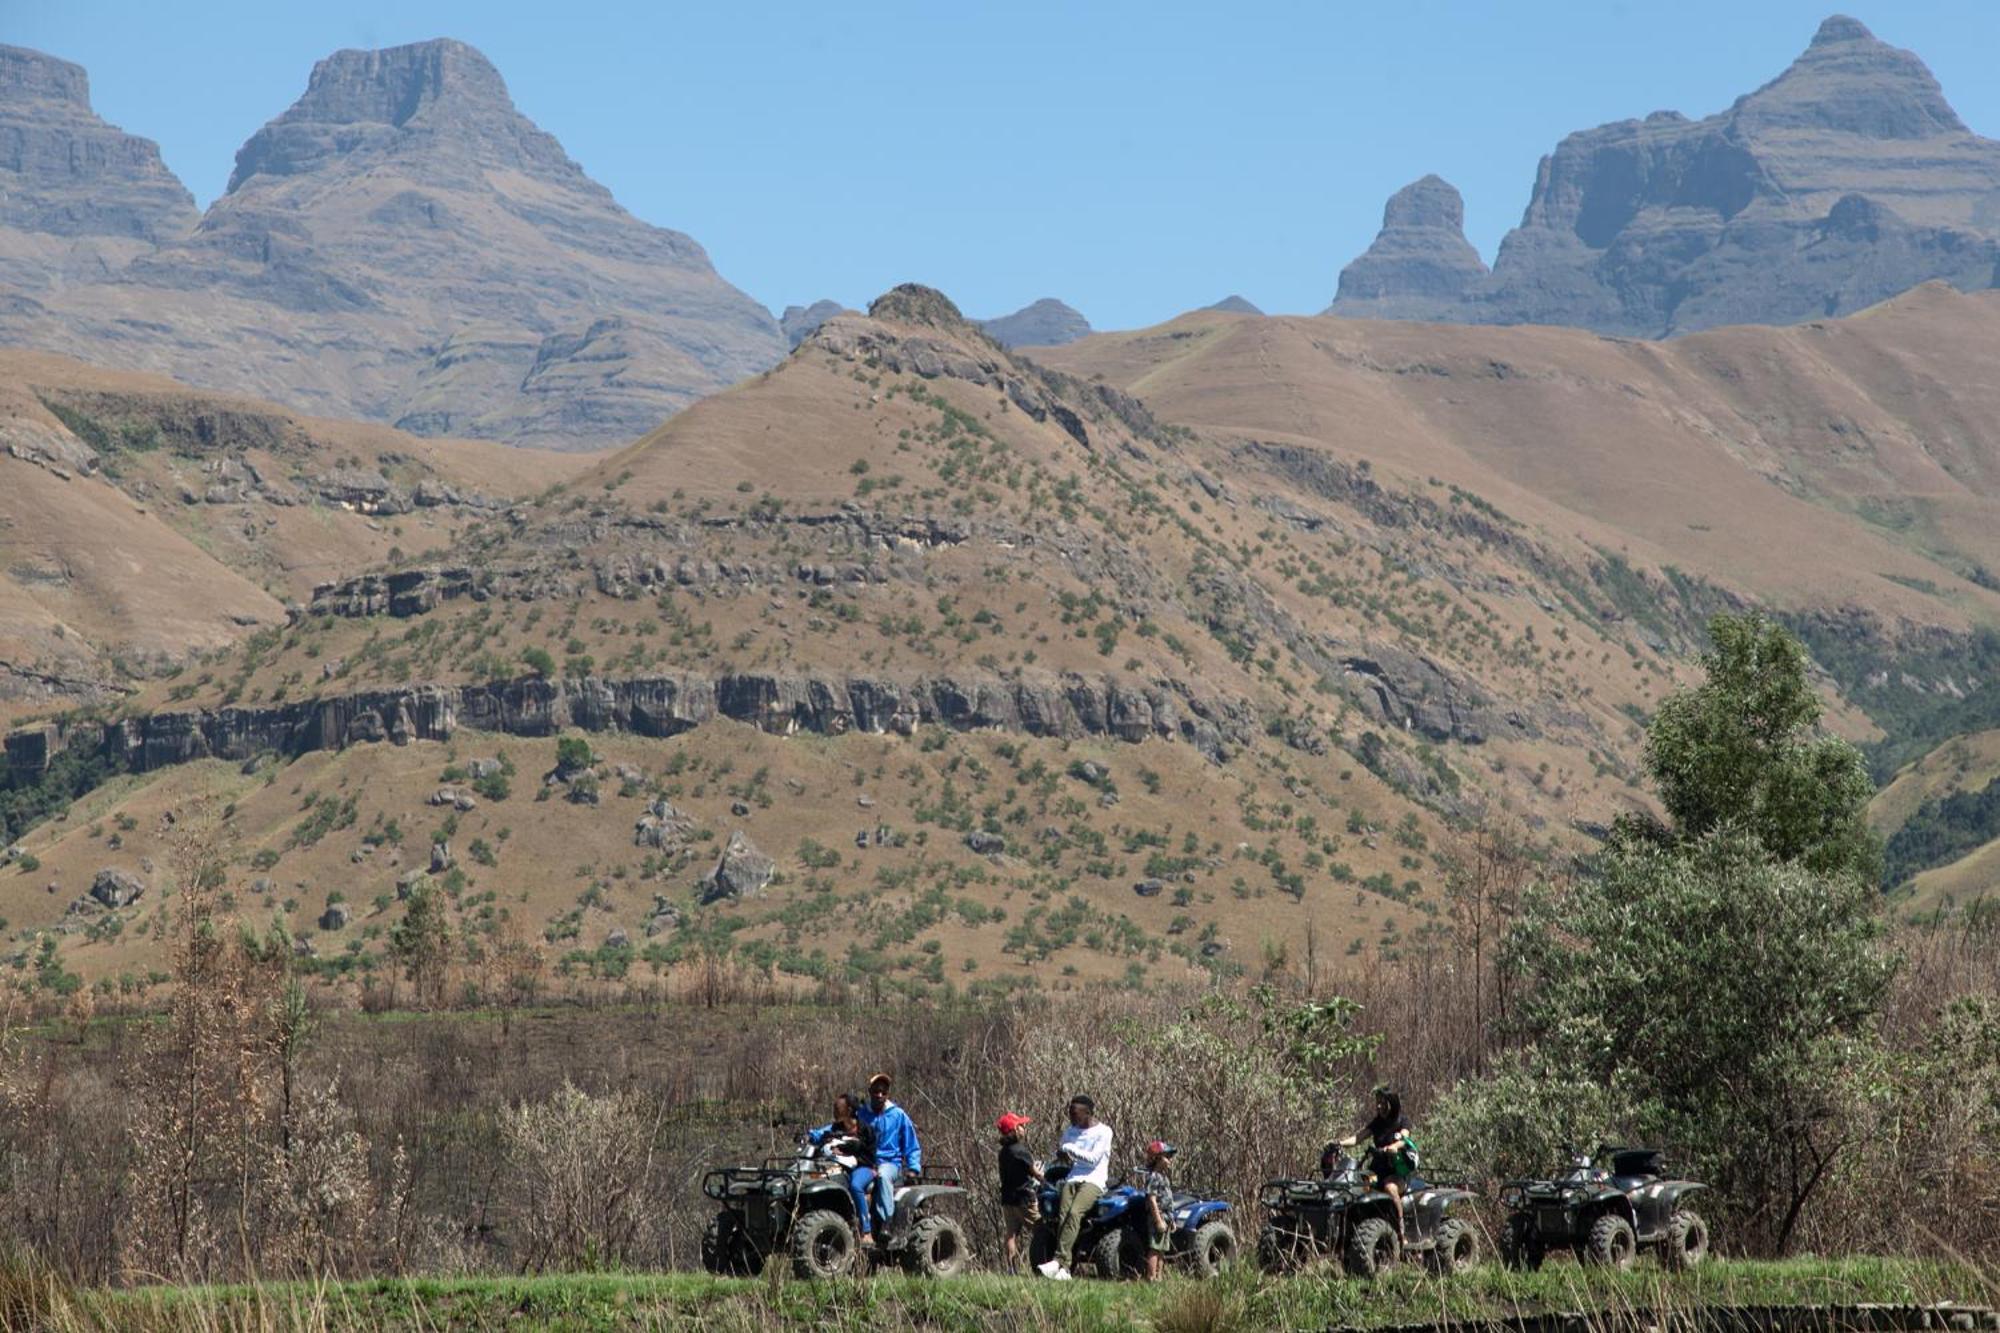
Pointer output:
1686, 1242
1212, 1249
1116, 1254
1373, 1247
937, 1248
1520, 1252
1457, 1247
823, 1245
1275, 1255
726, 1248
1612, 1243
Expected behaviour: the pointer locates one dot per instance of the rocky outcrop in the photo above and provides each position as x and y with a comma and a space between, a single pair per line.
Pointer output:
115, 888
1061, 706
1414, 693
402, 244
78, 196
1842, 182
740, 872
1420, 265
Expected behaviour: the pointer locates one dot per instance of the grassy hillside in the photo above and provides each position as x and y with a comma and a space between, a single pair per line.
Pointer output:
141, 520
1285, 675
1046, 687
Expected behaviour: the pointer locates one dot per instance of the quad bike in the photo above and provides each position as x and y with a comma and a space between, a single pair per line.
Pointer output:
1113, 1238
800, 1206
1343, 1212
1605, 1215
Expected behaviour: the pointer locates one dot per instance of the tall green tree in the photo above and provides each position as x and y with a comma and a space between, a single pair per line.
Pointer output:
1742, 751
1713, 980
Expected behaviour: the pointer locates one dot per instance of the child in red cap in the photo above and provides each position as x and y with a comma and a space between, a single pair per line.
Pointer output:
1160, 1205
1019, 1177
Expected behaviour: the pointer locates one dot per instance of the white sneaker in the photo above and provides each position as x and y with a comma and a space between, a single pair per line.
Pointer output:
1062, 1275
1049, 1269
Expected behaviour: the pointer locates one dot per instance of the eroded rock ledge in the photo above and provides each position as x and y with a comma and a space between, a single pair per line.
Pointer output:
1059, 706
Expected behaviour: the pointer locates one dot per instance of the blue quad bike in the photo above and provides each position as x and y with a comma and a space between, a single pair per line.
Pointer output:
1605, 1214
1113, 1240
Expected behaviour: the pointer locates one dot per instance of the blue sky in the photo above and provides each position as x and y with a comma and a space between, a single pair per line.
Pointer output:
1135, 159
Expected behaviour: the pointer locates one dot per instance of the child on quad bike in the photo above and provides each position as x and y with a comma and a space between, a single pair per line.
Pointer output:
853, 1146
1393, 1159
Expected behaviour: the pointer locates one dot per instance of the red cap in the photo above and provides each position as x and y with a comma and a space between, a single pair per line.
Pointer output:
1011, 1123
1159, 1148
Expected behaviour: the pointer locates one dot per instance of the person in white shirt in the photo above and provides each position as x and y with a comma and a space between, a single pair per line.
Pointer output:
1086, 1142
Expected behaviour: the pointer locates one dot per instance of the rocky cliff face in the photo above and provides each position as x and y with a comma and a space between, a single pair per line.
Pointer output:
1840, 183
404, 245
1046, 323
780, 704
78, 197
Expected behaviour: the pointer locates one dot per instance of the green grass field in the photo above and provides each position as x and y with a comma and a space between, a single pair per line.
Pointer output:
1242, 1301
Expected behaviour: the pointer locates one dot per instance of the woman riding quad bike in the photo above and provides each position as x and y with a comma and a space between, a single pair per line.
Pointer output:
1393, 1157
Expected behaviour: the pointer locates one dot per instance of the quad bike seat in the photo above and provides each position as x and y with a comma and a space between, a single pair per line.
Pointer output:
1631, 1167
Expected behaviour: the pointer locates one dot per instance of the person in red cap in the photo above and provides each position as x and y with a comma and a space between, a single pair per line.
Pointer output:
1159, 1187
1019, 1178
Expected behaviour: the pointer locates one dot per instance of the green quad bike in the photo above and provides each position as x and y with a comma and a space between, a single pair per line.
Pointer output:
1604, 1214
800, 1206
1343, 1213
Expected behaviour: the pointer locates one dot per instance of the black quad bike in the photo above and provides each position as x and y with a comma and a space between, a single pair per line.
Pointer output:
800, 1206
1604, 1214
1344, 1213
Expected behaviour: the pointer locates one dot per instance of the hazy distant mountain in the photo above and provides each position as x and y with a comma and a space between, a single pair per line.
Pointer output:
403, 245
1046, 323
799, 321
78, 197
1840, 183
1235, 305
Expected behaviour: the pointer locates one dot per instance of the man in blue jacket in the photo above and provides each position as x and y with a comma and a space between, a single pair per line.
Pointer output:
897, 1154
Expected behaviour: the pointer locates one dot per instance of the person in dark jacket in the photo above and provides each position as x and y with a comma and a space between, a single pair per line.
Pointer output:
1020, 1179
1393, 1155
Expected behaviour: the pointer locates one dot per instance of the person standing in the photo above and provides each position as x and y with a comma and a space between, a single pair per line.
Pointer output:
1086, 1142
897, 1154
1019, 1179
1159, 1187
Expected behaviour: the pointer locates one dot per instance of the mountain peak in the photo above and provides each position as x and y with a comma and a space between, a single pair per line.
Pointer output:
395, 84
1841, 28
1850, 81
1234, 304
1420, 261
439, 98
1431, 201
1044, 323
66, 173
35, 76
914, 303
